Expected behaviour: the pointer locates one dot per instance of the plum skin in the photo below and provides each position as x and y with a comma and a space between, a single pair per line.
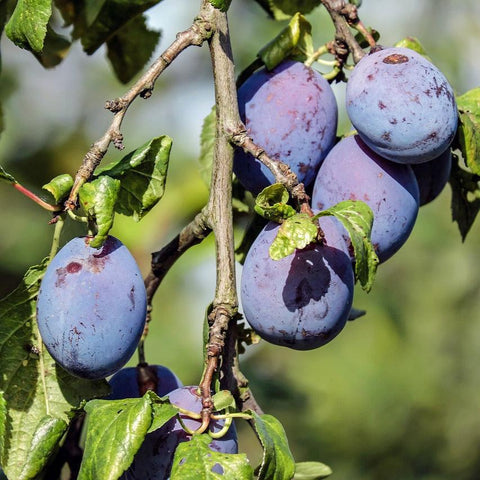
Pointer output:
352, 171
91, 307
154, 459
401, 105
303, 300
291, 112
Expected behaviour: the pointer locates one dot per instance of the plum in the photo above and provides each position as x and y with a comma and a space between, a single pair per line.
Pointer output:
401, 105
301, 301
154, 459
91, 307
352, 171
291, 112
432, 176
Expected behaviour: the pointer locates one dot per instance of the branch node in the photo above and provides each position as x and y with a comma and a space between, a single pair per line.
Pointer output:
116, 105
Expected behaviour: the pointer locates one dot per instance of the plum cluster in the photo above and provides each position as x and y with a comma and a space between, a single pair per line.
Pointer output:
153, 461
405, 117
91, 307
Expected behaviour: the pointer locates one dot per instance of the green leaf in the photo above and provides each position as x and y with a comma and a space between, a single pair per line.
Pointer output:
295, 40
223, 399
294, 233
131, 47
113, 15
357, 218
163, 411
142, 175
311, 471
27, 26
271, 203
54, 50
45, 440
222, 5
98, 198
284, 9
470, 101
277, 462
207, 143
6, 176
465, 197
115, 431
37, 393
413, 44
194, 460
469, 139
59, 186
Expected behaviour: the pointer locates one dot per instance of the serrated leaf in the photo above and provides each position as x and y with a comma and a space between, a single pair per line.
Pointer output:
295, 40
55, 49
113, 15
294, 233
223, 399
222, 5
284, 9
115, 431
413, 44
311, 471
142, 175
6, 176
33, 386
465, 197
163, 411
469, 140
194, 460
99, 198
207, 143
470, 101
59, 186
45, 440
271, 203
357, 218
131, 47
27, 26
277, 462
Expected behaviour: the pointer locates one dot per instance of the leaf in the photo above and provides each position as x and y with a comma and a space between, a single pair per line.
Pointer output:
131, 47
470, 101
59, 186
311, 471
469, 139
98, 198
271, 203
27, 26
284, 9
277, 462
194, 460
113, 15
295, 233
465, 197
207, 143
222, 5
357, 218
54, 50
6, 176
37, 393
413, 44
115, 431
295, 40
223, 399
142, 175
163, 411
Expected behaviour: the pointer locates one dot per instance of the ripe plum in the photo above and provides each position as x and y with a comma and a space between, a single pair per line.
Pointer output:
290, 111
352, 171
301, 301
401, 105
91, 307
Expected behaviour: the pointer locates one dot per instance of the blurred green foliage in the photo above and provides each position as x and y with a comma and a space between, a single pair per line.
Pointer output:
396, 396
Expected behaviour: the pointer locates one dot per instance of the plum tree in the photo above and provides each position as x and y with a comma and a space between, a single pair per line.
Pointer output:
352, 171
432, 176
91, 307
154, 459
308, 303
298, 128
401, 105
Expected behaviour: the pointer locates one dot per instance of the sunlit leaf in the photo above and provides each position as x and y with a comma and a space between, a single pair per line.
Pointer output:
59, 186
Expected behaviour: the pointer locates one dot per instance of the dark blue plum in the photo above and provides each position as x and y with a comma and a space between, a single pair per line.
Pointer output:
301, 301
352, 171
91, 307
124, 383
291, 112
432, 176
154, 459
401, 105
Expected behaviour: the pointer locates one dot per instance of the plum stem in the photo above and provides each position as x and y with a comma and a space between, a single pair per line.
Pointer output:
56, 236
